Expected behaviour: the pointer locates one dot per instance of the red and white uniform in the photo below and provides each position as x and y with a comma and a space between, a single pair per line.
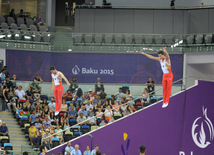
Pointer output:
167, 80
58, 90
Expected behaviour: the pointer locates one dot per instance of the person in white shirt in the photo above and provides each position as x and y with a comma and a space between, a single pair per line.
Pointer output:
20, 93
52, 105
76, 150
89, 106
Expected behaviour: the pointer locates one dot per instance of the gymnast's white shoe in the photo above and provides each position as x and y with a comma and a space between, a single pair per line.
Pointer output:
56, 113
164, 105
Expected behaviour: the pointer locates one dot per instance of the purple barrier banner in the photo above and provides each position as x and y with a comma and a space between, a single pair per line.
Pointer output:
87, 67
185, 127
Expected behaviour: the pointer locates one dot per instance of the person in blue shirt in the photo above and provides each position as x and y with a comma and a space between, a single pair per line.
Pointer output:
72, 113
119, 95
33, 116
4, 130
87, 151
3, 76
82, 110
68, 149
96, 148
43, 150
76, 150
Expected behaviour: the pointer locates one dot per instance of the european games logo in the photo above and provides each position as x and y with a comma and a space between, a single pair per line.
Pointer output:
75, 70
201, 139
125, 136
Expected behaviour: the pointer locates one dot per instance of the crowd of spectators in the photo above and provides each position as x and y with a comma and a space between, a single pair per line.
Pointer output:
76, 104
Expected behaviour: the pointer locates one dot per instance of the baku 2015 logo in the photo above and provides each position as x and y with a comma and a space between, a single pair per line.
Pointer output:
125, 136
202, 137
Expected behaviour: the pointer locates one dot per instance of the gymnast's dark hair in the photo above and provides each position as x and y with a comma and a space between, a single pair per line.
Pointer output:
52, 68
161, 52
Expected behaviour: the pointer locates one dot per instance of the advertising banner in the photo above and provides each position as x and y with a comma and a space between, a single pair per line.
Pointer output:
87, 67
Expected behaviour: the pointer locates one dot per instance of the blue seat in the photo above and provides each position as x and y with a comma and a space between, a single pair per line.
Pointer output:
125, 85
55, 139
48, 101
135, 98
8, 146
109, 97
147, 104
85, 127
24, 118
160, 98
154, 98
76, 134
31, 101
68, 102
72, 122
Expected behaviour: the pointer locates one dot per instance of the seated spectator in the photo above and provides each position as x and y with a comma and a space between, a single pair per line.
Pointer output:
21, 14
4, 98
33, 116
102, 122
151, 86
59, 133
52, 118
119, 95
95, 100
13, 100
87, 151
90, 110
92, 121
76, 150
89, 106
64, 106
98, 85
13, 80
42, 117
52, 105
36, 94
29, 93
116, 107
145, 95
36, 104
47, 141
86, 97
37, 123
73, 84
105, 106
96, 107
64, 117
91, 94
68, 96
65, 125
38, 79
99, 115
79, 98
46, 110
71, 104
38, 110
123, 107
46, 123
38, 21
12, 14
10, 92
32, 132
128, 96
57, 122
108, 114
68, 148
81, 118
72, 113
4, 130
43, 104
52, 130
27, 106
111, 120
112, 99
40, 131
82, 110
103, 96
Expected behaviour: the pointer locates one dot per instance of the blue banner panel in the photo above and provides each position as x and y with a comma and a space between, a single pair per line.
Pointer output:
87, 67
